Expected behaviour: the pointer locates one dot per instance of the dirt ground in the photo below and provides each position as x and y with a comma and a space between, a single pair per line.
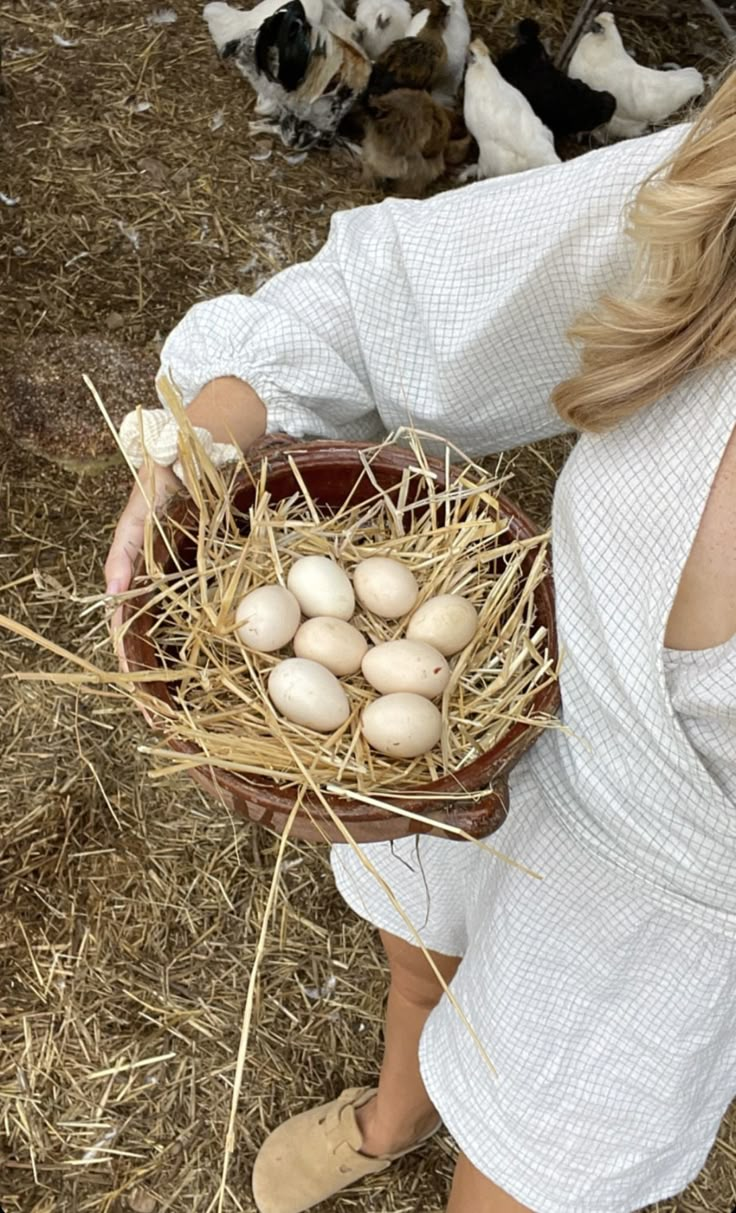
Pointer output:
131, 187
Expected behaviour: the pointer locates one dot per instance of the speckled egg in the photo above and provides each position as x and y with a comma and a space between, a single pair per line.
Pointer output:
406, 665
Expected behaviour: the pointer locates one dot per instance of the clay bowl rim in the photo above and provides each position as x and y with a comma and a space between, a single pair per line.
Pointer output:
484, 771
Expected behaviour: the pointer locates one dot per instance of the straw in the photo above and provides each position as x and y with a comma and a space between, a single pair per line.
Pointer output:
454, 537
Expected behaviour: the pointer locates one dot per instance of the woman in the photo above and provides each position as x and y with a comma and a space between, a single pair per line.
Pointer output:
604, 993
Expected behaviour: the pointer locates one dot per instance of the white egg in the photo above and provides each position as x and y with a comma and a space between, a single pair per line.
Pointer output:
402, 725
267, 618
384, 586
406, 665
308, 694
332, 642
447, 622
321, 587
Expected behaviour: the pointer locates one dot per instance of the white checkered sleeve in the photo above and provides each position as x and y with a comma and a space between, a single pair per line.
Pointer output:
293, 342
450, 313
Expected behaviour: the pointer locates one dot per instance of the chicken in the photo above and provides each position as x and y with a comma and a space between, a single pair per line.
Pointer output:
405, 141
430, 25
643, 95
566, 106
510, 136
283, 47
227, 24
414, 62
456, 37
306, 75
381, 22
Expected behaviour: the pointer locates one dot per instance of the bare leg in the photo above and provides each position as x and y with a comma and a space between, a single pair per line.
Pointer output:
402, 1112
473, 1193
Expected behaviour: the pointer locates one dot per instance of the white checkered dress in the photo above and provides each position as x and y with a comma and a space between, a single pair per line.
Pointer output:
604, 994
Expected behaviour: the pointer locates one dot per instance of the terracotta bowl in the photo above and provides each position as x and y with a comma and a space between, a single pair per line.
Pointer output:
331, 471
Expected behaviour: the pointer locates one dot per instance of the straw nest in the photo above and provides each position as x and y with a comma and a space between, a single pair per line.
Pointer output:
449, 530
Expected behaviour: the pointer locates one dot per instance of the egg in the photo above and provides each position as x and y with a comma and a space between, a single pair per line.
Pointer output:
401, 725
447, 622
321, 587
267, 618
384, 586
332, 642
406, 665
308, 694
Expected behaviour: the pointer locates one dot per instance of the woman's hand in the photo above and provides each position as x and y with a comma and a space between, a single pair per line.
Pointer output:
157, 487
232, 412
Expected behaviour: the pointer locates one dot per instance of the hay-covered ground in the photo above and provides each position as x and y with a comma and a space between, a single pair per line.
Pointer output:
129, 912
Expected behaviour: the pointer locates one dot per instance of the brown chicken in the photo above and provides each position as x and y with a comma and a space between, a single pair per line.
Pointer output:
414, 62
433, 29
406, 136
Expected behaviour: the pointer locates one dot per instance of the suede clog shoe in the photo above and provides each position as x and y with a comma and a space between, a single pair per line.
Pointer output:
312, 1156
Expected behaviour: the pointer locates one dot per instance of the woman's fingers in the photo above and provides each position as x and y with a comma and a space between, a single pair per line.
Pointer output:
156, 487
125, 546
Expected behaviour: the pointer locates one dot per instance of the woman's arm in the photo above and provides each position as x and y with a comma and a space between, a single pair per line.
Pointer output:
411, 312
330, 348
294, 343
450, 313
232, 412
284, 359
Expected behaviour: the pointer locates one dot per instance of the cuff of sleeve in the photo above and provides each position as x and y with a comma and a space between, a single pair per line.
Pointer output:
284, 414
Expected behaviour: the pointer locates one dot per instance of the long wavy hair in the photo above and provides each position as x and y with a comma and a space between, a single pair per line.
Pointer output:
680, 314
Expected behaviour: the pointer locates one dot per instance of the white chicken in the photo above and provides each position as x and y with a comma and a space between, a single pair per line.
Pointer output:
301, 58
456, 38
227, 24
510, 136
381, 22
644, 96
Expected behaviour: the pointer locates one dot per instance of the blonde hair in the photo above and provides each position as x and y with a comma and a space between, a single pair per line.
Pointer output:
682, 314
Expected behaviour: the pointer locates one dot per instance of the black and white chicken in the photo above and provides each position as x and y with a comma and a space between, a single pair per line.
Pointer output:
301, 59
